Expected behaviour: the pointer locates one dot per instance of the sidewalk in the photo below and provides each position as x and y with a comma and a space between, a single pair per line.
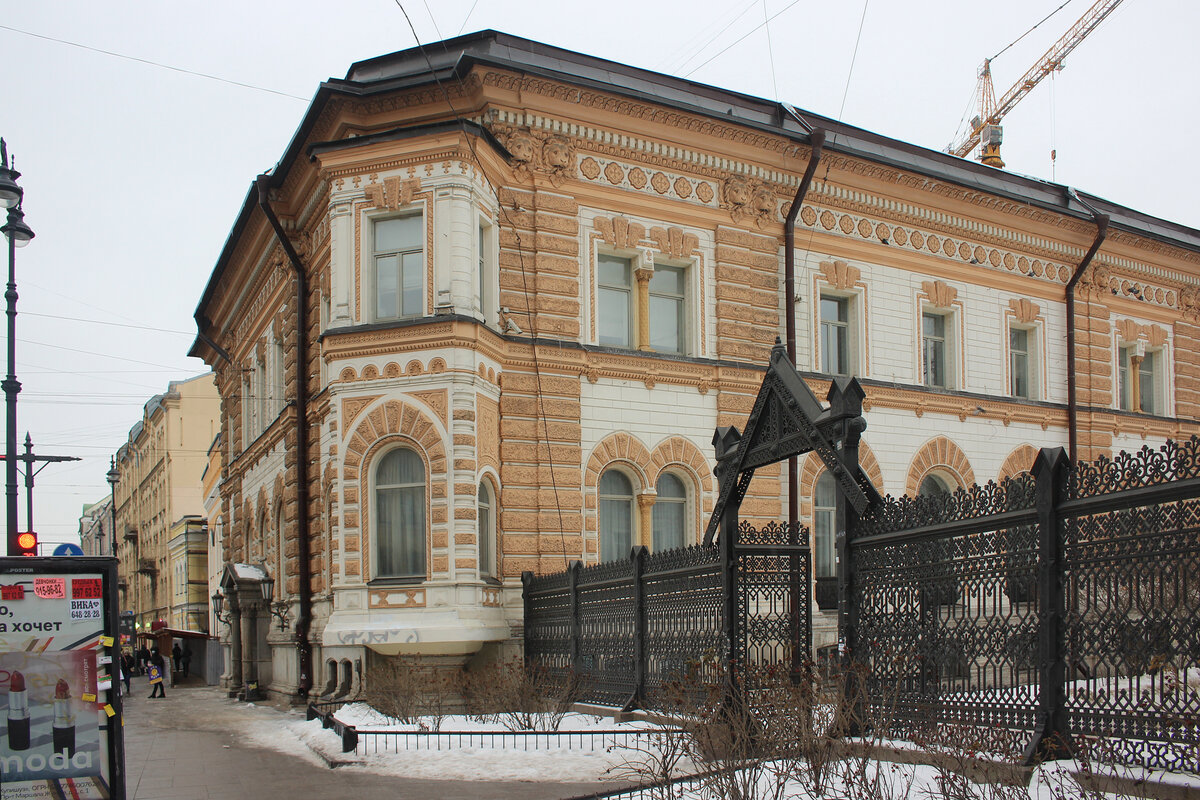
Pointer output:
192, 746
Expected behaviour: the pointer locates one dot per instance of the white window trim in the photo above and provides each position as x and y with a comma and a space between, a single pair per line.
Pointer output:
368, 302
690, 494
487, 300
635, 534
372, 499
1034, 358
953, 340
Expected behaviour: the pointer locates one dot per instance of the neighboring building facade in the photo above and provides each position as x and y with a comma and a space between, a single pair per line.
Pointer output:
187, 560
531, 283
210, 486
160, 468
95, 528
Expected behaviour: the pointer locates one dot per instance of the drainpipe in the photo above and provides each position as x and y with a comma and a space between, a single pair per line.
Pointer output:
303, 647
817, 141
1101, 221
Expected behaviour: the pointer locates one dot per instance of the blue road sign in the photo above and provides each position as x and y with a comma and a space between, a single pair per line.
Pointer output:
68, 549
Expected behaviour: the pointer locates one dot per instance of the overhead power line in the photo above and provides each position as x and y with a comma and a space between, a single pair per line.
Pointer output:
158, 64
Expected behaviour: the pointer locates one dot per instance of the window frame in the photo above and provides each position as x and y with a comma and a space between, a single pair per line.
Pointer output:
487, 259
601, 497
376, 534
1158, 394
684, 503
629, 289
948, 340
1032, 361
487, 558
371, 272
829, 513
681, 298
847, 326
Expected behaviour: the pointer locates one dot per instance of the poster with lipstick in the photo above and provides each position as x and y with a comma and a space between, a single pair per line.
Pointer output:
54, 736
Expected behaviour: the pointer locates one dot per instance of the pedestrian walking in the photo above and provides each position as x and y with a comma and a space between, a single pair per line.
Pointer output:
176, 662
158, 668
187, 659
143, 658
125, 665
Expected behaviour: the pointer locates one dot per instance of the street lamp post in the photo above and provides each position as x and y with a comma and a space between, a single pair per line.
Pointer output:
113, 477
18, 235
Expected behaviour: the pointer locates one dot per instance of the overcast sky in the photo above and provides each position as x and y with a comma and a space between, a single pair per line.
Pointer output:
134, 173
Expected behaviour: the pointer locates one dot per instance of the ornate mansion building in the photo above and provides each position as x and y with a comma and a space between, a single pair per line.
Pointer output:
487, 310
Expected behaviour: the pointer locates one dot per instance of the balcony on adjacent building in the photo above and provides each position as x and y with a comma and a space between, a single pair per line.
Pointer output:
146, 566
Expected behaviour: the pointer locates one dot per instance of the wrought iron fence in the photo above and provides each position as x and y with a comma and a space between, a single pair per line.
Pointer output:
1056, 607
626, 629
371, 742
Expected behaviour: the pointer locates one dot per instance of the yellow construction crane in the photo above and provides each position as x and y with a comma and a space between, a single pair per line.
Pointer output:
985, 128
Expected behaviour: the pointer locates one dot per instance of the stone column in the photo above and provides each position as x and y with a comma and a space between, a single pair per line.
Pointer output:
645, 502
235, 641
1135, 382
643, 276
247, 634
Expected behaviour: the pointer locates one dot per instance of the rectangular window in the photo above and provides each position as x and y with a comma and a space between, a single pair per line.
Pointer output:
934, 350
1019, 361
399, 267
1148, 384
835, 335
614, 301
1125, 379
667, 289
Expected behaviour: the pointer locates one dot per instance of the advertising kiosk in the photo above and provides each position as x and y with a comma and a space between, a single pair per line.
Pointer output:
60, 707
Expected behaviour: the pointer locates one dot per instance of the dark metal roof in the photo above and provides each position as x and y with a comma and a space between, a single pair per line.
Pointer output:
454, 58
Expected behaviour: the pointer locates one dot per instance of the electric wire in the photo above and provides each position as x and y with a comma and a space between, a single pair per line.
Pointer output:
770, 52
741, 38
462, 27
686, 52
158, 64
1031, 30
530, 315
111, 324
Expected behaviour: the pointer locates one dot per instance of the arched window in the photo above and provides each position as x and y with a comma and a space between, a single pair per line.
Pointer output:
616, 515
825, 526
670, 513
486, 517
400, 515
933, 485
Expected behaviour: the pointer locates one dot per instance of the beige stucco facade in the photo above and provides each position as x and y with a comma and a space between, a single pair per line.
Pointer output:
514, 374
160, 470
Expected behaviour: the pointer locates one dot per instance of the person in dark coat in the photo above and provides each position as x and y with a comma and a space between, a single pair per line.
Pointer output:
176, 659
127, 665
143, 658
187, 659
158, 674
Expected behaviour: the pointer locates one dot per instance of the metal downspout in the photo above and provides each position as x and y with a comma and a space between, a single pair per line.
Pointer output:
817, 141
303, 647
1101, 221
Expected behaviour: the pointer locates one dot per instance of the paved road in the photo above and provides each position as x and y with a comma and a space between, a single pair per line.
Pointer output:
187, 747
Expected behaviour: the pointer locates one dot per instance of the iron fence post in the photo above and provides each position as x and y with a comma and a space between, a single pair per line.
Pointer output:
638, 557
729, 525
846, 398
1051, 739
526, 613
576, 627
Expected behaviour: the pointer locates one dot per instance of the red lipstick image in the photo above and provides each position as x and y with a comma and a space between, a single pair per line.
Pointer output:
18, 713
64, 720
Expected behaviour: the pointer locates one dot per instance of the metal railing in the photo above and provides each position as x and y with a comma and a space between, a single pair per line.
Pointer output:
1053, 611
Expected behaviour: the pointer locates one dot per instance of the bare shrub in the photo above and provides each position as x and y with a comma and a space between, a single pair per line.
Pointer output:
412, 692
518, 697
